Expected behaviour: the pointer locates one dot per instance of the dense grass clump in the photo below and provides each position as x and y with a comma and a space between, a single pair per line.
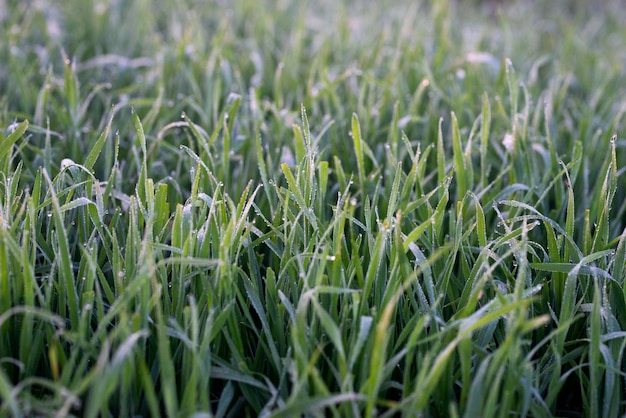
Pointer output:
282, 208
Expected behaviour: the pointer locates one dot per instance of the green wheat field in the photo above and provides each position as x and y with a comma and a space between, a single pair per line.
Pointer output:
330, 208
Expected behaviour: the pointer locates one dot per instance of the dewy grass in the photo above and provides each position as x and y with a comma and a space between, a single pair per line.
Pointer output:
329, 209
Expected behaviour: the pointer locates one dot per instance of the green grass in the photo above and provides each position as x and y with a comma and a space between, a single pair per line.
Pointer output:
279, 209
